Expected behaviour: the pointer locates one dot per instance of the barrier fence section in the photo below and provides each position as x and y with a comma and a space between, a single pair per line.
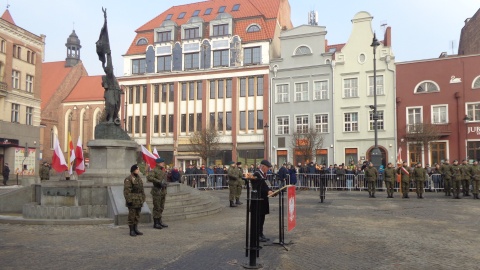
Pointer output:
348, 182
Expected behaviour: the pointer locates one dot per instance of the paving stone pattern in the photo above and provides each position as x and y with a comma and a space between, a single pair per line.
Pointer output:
348, 231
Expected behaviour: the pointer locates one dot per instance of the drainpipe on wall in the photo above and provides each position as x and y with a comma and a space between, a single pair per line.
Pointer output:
332, 66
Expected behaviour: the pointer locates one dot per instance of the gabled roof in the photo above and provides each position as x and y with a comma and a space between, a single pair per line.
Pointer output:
263, 13
53, 74
88, 88
8, 17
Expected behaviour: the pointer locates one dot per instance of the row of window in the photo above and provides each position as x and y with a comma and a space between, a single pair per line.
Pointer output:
222, 121
191, 61
320, 122
15, 114
440, 114
17, 52
252, 86
16, 81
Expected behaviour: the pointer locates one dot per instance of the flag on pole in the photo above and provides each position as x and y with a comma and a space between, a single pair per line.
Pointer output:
58, 160
148, 157
399, 155
80, 168
291, 207
71, 154
155, 153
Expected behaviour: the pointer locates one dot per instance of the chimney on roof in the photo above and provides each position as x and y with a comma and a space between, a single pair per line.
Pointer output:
387, 39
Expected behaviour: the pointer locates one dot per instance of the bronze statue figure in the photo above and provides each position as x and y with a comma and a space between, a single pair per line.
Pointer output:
109, 82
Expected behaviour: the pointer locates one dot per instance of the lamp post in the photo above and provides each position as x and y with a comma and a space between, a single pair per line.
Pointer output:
375, 155
266, 140
466, 119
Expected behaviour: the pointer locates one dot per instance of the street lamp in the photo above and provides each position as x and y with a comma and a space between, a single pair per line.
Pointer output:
466, 119
266, 140
375, 155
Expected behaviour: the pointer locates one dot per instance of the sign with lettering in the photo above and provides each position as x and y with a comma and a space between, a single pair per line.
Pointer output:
474, 130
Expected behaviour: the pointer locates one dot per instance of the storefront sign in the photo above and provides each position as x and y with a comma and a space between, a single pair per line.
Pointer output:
27, 162
475, 130
6, 141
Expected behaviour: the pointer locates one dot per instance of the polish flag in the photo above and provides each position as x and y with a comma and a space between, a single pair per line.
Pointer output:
148, 157
71, 154
58, 160
80, 168
155, 153
399, 155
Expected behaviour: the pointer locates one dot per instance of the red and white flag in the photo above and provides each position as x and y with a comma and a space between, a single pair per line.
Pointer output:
155, 153
399, 155
291, 208
58, 160
71, 154
148, 157
80, 168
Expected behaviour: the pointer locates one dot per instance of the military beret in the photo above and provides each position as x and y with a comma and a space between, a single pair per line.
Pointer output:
239, 163
231, 162
133, 168
266, 163
159, 160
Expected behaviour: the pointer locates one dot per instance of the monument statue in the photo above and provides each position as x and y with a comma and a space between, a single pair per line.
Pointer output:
109, 82
110, 128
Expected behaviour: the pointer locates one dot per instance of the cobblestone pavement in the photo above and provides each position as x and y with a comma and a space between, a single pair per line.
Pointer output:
348, 231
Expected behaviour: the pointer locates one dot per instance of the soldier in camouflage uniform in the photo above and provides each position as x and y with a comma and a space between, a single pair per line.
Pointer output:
389, 176
134, 198
159, 191
371, 176
447, 177
419, 175
465, 177
240, 184
233, 179
456, 172
45, 172
475, 174
404, 172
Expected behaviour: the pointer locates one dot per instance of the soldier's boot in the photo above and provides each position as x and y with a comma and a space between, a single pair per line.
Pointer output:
232, 204
373, 195
369, 194
135, 228
132, 232
161, 223
238, 202
421, 196
156, 224
467, 193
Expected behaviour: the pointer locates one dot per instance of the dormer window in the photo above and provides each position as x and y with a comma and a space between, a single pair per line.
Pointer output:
181, 15
221, 9
220, 30
253, 28
169, 17
191, 33
236, 7
142, 41
195, 13
164, 36
208, 11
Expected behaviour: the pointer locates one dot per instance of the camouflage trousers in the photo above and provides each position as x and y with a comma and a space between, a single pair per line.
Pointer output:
240, 184
456, 187
405, 187
466, 185
475, 185
447, 185
159, 204
420, 186
389, 185
232, 188
371, 186
133, 215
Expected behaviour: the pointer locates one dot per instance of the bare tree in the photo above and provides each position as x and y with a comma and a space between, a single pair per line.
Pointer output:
420, 135
205, 143
305, 144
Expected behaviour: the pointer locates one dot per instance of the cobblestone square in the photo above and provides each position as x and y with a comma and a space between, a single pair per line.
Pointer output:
348, 231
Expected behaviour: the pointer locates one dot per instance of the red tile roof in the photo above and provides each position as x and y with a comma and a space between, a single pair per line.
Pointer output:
8, 17
88, 88
53, 74
264, 13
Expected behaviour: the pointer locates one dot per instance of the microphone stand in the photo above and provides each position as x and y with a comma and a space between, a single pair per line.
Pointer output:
281, 217
252, 247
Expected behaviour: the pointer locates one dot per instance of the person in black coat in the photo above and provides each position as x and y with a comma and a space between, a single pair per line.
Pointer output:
5, 173
260, 187
283, 176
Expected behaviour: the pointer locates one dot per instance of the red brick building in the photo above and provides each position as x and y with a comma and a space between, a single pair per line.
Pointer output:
470, 36
443, 96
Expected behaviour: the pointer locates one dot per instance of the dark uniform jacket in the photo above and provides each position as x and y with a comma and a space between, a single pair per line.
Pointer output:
445, 171
371, 174
260, 186
133, 191
389, 174
474, 171
419, 174
405, 173
456, 172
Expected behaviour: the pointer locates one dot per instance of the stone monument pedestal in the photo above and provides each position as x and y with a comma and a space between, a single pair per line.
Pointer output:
110, 161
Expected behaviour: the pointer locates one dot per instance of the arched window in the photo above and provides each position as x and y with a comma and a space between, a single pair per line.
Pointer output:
476, 83
253, 28
53, 134
142, 41
427, 87
303, 50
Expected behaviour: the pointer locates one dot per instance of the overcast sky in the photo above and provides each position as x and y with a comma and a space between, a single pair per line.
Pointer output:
421, 29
